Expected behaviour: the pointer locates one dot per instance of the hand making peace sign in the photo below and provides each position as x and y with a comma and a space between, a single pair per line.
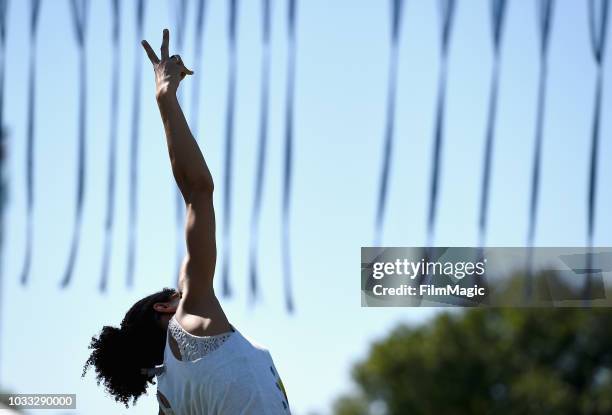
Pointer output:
170, 70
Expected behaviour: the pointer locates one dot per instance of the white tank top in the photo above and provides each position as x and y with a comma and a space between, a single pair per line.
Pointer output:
237, 378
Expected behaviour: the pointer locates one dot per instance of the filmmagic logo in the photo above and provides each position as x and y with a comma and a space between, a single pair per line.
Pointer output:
411, 269
431, 290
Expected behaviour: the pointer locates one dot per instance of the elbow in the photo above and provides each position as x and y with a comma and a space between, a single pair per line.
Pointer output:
203, 184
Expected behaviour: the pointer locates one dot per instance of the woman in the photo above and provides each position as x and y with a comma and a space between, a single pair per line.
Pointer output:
204, 365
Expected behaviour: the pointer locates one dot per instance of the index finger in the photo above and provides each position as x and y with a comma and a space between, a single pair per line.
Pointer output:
150, 53
165, 54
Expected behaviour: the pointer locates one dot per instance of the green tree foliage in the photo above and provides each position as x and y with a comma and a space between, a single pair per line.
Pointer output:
484, 361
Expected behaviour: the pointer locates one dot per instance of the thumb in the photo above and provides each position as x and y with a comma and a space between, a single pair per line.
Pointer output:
185, 72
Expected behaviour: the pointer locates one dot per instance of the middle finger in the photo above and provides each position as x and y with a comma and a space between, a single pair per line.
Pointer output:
165, 45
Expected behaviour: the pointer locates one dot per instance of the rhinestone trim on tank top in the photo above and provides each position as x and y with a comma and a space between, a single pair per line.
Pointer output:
195, 347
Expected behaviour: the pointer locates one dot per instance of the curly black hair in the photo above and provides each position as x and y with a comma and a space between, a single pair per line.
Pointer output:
120, 354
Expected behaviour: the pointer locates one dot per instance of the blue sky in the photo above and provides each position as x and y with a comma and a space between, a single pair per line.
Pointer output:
343, 49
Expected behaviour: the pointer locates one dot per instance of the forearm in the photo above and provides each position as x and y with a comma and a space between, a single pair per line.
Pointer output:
188, 165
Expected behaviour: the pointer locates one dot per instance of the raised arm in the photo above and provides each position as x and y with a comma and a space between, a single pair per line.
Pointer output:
190, 172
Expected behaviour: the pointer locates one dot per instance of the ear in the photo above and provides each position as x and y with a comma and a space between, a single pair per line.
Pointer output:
162, 307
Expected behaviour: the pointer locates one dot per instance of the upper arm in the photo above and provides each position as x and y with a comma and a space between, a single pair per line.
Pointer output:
198, 267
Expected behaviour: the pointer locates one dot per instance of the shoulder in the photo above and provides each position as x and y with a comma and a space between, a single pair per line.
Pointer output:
253, 343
